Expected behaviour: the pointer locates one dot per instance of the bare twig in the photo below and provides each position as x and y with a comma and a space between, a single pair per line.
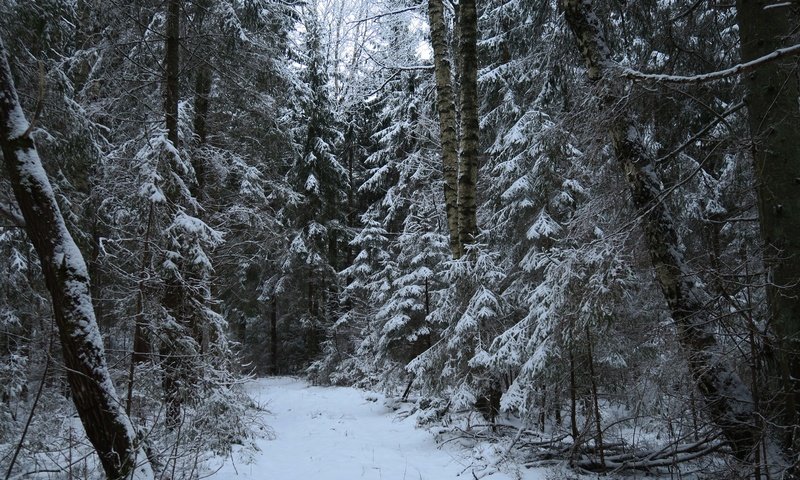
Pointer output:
702, 132
386, 14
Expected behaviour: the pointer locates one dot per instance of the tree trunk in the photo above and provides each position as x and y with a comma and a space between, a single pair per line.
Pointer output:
201, 93
172, 69
595, 401
728, 401
774, 121
202, 90
470, 127
172, 356
174, 293
273, 338
141, 343
573, 401
446, 107
107, 426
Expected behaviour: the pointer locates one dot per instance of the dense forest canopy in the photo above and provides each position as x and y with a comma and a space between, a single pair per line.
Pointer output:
580, 217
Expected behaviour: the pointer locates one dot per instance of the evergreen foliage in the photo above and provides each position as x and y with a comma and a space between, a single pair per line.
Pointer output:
294, 221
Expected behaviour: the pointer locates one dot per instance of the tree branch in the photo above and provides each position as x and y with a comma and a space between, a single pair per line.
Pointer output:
10, 211
398, 67
712, 76
386, 14
702, 131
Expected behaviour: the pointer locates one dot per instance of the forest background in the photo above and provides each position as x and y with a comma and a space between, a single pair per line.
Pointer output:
582, 215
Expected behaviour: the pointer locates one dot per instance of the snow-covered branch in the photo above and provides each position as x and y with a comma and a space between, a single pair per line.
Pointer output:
712, 76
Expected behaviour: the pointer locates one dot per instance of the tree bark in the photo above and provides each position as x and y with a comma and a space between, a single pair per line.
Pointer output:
107, 426
470, 126
595, 402
174, 292
728, 400
774, 121
172, 69
273, 336
446, 107
202, 90
201, 93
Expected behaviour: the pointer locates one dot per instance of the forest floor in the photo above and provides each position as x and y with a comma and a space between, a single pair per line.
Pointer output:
332, 433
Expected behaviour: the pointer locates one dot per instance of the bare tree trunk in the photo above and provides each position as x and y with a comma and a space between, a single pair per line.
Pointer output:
727, 398
141, 344
107, 426
445, 104
775, 130
469, 134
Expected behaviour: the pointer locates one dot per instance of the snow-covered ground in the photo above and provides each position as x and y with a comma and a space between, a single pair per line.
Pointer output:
332, 433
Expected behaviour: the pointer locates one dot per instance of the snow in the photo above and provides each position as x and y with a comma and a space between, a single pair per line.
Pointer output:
332, 433
17, 123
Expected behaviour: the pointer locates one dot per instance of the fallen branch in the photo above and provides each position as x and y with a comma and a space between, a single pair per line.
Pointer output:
667, 455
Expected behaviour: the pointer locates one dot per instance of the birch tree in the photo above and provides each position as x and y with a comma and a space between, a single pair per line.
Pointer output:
459, 142
446, 106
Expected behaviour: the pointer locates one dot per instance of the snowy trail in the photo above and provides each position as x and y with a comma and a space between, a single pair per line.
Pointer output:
332, 433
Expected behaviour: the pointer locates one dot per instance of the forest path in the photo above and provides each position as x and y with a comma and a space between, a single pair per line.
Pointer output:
333, 433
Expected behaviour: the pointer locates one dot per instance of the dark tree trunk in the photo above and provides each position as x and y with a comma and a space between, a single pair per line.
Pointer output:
201, 93
774, 120
573, 402
470, 126
172, 360
202, 90
595, 401
172, 69
107, 426
174, 292
273, 338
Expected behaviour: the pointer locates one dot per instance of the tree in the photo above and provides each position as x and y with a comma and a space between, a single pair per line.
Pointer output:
446, 107
774, 122
728, 398
469, 138
67, 278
